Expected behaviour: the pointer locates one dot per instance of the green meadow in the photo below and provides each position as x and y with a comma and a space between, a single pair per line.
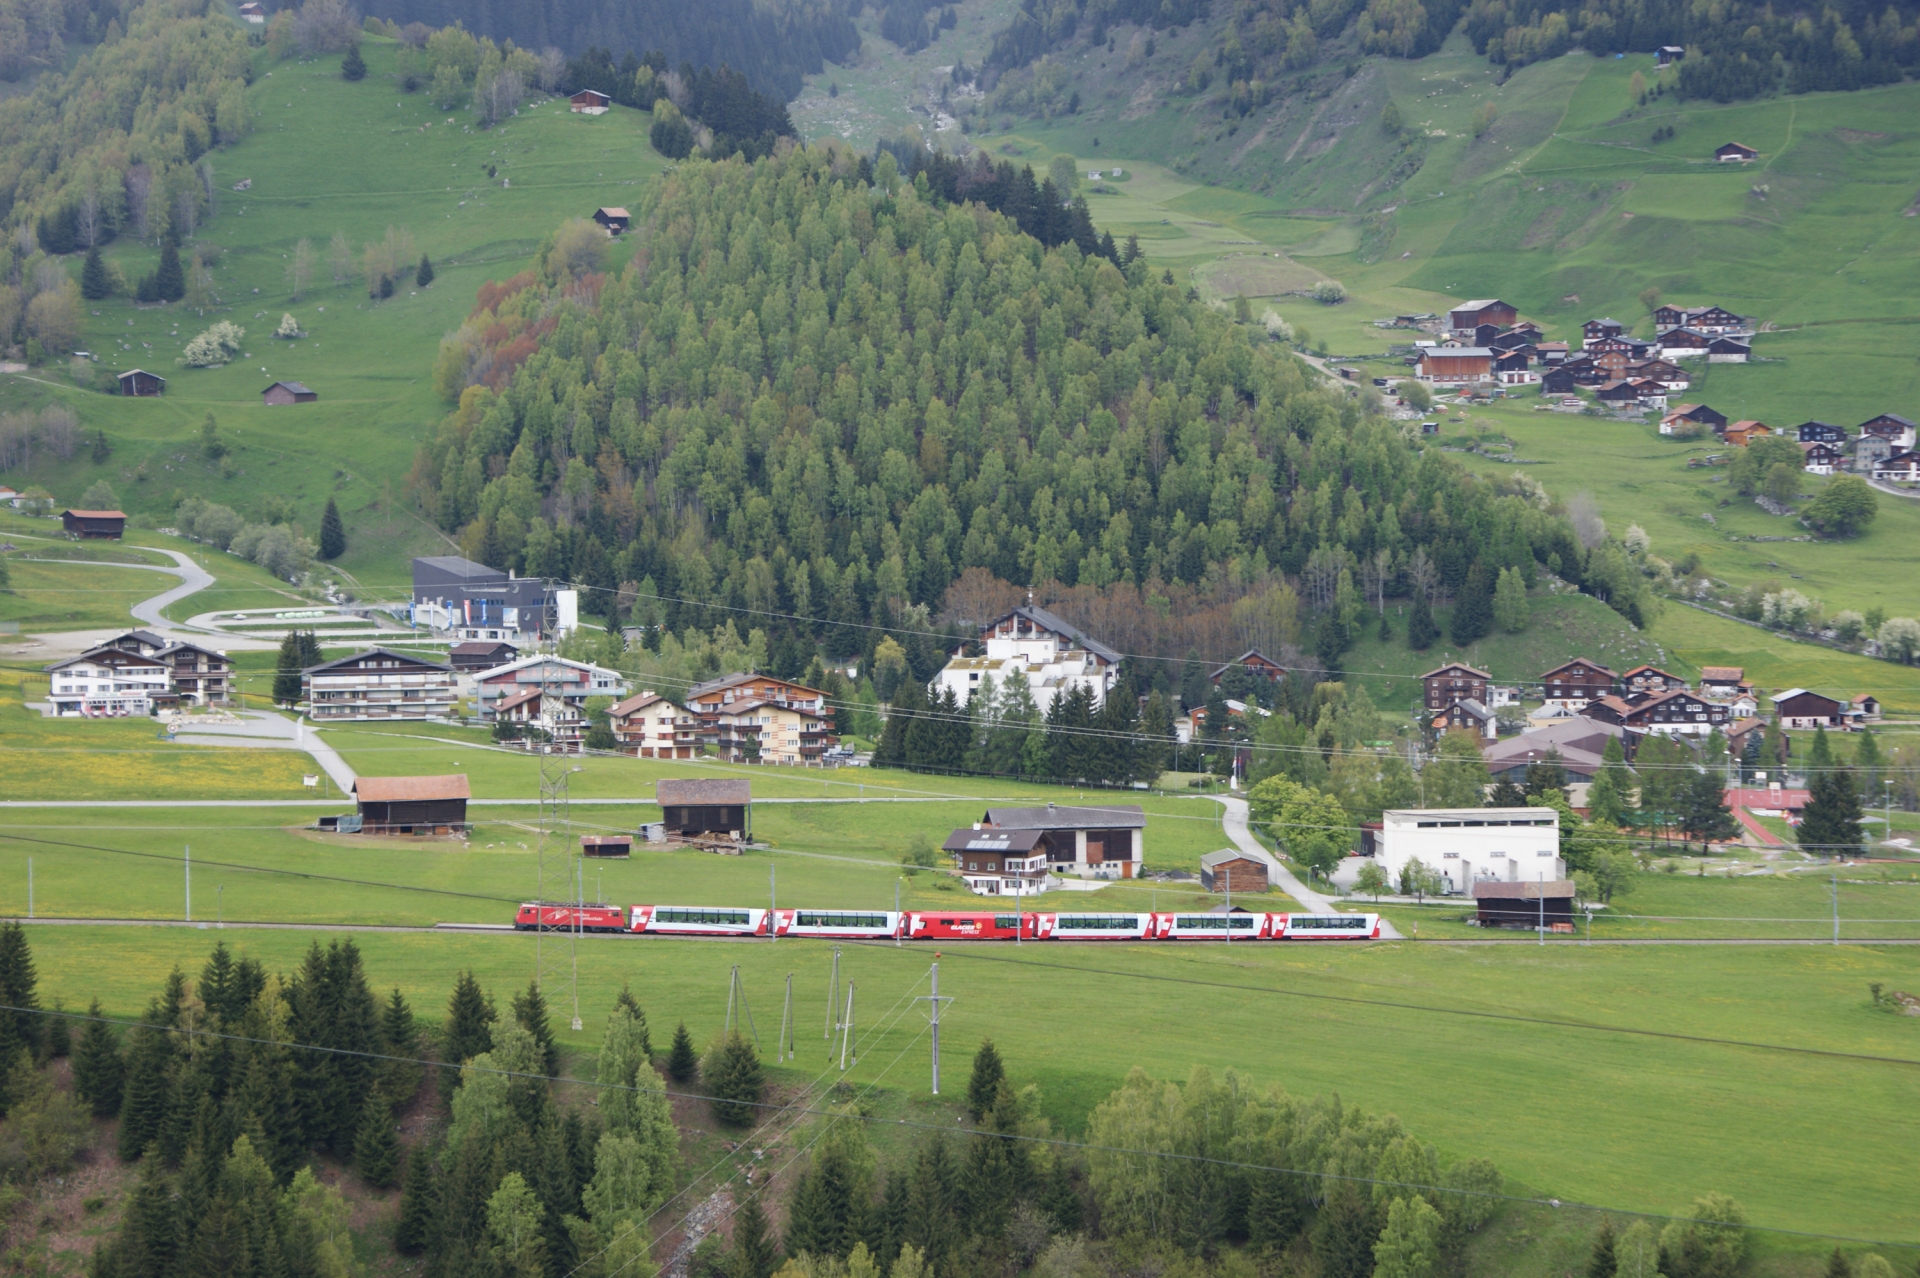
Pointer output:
326, 156
1626, 1120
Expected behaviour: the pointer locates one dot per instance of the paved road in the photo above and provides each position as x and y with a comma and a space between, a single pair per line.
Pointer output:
270, 730
1234, 822
148, 612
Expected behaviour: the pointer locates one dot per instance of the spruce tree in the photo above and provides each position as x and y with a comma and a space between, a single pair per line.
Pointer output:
353, 66
1345, 1231
1421, 630
1473, 606
632, 1004
419, 1205
333, 534
734, 1081
755, 1254
400, 1078
170, 281
97, 1067
286, 672
682, 1062
376, 1146
95, 283
1838, 1266
1602, 1264
530, 1010
423, 276
466, 1033
984, 1087
19, 1028
143, 1107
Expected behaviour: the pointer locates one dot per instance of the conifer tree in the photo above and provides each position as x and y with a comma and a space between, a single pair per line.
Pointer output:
353, 66
1344, 1233
376, 1146
983, 1088
333, 534
423, 276
143, 1107
400, 1078
682, 1062
734, 1080
467, 1031
286, 672
95, 283
97, 1067
1421, 630
264, 1102
530, 1010
1473, 606
19, 1029
1838, 1266
632, 1005
419, 1205
755, 1253
170, 281
1602, 1264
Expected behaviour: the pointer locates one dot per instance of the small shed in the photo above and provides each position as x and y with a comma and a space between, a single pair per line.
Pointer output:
139, 382
413, 805
1668, 54
94, 525
615, 220
590, 102
696, 809
1735, 151
1548, 903
1229, 870
287, 393
616, 846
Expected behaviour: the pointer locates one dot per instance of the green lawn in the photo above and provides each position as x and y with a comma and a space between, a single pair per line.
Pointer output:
1625, 1120
328, 156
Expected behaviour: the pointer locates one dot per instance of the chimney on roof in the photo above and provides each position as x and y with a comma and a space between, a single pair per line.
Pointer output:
1049, 805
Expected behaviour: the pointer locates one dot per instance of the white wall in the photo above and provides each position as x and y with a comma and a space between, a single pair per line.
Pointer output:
1468, 844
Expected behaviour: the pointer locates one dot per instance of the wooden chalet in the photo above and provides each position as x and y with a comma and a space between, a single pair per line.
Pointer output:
1684, 343
1092, 841
1255, 663
140, 383
612, 220
1001, 862
282, 393
1723, 681
1673, 713
476, 655
1574, 683
1456, 365
1728, 350
1546, 905
412, 805
1635, 391
706, 809
1819, 432
1711, 320
1455, 681
1559, 381
94, 525
1745, 431
1467, 317
1651, 679
1668, 54
1902, 467
1230, 870
1729, 151
1668, 374
1891, 427
1595, 329
590, 102
1468, 716
1682, 417
1799, 708
1821, 458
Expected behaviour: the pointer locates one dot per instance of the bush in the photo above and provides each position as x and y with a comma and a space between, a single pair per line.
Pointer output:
214, 347
1329, 292
289, 327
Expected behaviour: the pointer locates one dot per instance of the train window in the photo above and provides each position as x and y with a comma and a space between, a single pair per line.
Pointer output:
1096, 922
1240, 922
815, 918
1006, 920
1327, 922
1202, 921
701, 916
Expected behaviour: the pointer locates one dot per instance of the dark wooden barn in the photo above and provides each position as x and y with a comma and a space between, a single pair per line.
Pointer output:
287, 393
139, 382
1231, 871
413, 805
1525, 904
94, 525
705, 809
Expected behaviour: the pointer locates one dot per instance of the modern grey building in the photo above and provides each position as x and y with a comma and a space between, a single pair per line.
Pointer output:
474, 602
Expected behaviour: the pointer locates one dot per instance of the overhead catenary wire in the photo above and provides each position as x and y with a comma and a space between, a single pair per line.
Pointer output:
1056, 1142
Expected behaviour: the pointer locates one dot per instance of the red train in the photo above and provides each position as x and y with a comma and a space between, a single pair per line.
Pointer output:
946, 925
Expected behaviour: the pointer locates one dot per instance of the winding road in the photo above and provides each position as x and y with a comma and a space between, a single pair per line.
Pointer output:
1234, 822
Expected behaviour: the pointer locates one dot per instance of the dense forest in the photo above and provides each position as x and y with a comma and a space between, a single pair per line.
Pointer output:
815, 396
1738, 49
773, 46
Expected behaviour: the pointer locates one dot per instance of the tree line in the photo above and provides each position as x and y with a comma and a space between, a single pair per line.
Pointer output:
828, 398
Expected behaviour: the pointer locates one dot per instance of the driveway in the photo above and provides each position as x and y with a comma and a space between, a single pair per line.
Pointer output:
1234, 822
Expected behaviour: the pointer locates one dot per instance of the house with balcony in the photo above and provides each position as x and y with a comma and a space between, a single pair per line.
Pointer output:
769, 732
108, 683
650, 726
378, 684
573, 681
1053, 654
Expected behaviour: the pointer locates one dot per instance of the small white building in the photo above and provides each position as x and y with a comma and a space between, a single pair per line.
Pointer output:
1469, 845
108, 683
1055, 656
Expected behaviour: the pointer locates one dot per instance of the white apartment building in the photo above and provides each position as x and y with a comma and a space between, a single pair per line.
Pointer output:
1467, 845
1054, 655
379, 684
108, 682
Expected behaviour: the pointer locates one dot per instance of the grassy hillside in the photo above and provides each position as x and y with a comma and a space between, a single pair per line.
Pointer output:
327, 156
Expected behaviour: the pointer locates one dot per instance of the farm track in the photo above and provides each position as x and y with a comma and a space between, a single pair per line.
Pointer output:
506, 929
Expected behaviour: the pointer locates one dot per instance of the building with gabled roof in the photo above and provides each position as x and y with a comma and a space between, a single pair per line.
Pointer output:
706, 808
1054, 655
1101, 841
412, 805
379, 683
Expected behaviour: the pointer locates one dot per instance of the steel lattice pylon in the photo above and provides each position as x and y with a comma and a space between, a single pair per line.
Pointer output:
556, 956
